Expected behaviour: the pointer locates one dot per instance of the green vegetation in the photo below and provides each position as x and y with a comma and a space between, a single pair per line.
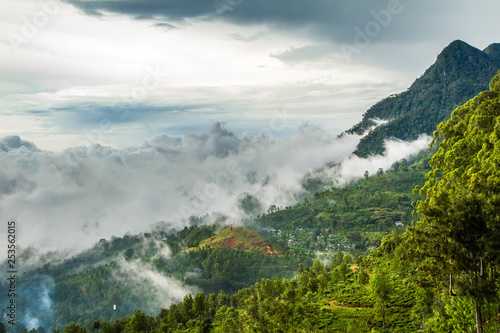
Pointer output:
86, 287
441, 275
457, 240
240, 239
352, 259
353, 218
460, 72
214, 257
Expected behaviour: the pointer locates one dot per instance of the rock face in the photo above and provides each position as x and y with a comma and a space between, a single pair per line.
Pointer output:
459, 73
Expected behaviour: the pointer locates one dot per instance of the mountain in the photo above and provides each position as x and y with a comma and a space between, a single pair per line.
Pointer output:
152, 270
459, 73
493, 51
147, 271
408, 284
155, 270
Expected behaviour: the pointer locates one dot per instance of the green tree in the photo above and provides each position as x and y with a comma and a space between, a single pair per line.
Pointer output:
199, 305
458, 237
382, 289
317, 267
73, 328
227, 320
363, 277
96, 325
139, 322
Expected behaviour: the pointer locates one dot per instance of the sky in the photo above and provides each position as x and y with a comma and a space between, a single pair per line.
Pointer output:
115, 115
119, 72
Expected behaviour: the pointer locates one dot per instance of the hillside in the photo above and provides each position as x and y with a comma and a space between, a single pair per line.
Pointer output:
240, 239
135, 271
339, 292
353, 218
459, 73
441, 275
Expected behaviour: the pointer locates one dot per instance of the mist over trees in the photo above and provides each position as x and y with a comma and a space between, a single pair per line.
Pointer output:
370, 256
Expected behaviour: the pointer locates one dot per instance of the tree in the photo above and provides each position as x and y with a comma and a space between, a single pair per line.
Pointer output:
272, 209
199, 305
363, 277
139, 322
317, 267
382, 289
73, 328
96, 325
458, 237
227, 320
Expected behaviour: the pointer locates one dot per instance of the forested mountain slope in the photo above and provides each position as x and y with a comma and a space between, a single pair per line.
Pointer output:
441, 275
435, 277
459, 73
211, 258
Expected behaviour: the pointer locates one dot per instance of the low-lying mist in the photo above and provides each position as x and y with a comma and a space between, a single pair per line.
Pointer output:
70, 200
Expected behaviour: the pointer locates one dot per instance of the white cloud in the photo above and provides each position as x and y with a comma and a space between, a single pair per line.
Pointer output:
167, 290
73, 198
55, 84
354, 167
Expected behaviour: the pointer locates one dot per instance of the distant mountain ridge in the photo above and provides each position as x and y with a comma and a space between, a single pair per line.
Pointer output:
460, 72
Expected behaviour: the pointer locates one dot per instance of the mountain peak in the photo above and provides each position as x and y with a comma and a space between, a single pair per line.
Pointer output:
460, 72
493, 51
457, 61
458, 43
459, 51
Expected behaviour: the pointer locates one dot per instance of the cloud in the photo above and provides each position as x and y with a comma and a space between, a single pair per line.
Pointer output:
176, 10
308, 53
333, 20
14, 142
354, 167
331, 17
165, 26
249, 38
100, 114
145, 279
38, 304
73, 198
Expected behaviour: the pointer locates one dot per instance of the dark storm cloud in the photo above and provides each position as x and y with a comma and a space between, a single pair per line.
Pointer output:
291, 11
175, 10
335, 18
320, 20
